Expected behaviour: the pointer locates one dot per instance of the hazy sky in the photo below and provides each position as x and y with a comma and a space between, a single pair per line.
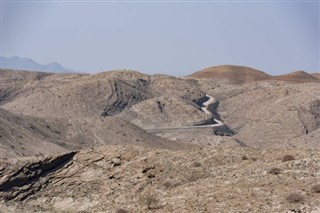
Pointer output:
175, 38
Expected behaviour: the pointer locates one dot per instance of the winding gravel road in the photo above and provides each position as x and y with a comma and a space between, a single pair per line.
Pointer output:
205, 109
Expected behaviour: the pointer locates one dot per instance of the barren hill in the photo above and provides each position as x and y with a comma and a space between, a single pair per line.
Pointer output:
269, 113
28, 136
162, 112
165, 101
23, 136
232, 74
297, 77
12, 82
20, 75
103, 94
66, 111
239, 75
316, 75
76, 95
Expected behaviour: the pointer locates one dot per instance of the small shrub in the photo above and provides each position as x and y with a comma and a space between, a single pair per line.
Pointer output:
295, 198
244, 157
315, 188
151, 176
167, 184
274, 171
196, 164
287, 158
151, 201
121, 211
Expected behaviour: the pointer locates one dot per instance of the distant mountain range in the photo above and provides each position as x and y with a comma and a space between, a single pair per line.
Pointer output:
18, 63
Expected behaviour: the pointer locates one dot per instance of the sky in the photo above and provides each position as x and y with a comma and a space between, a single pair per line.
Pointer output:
169, 37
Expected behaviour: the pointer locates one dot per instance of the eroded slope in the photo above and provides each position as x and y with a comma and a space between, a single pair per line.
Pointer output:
137, 179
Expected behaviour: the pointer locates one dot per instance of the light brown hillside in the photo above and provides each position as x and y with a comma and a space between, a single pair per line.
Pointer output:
232, 74
297, 77
316, 75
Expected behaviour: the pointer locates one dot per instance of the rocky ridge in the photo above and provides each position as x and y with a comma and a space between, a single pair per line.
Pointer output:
137, 179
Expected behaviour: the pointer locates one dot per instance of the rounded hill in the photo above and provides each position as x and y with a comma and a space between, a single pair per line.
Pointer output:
298, 77
231, 74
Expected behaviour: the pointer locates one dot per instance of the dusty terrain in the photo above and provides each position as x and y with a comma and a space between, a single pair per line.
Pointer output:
143, 143
137, 179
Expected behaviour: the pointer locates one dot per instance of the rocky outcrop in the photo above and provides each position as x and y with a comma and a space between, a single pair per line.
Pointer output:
137, 179
30, 178
124, 94
187, 89
166, 111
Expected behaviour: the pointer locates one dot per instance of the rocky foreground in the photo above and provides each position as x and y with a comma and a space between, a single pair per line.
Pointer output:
136, 179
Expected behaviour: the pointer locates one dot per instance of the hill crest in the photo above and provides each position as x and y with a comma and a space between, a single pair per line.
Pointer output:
241, 74
233, 73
